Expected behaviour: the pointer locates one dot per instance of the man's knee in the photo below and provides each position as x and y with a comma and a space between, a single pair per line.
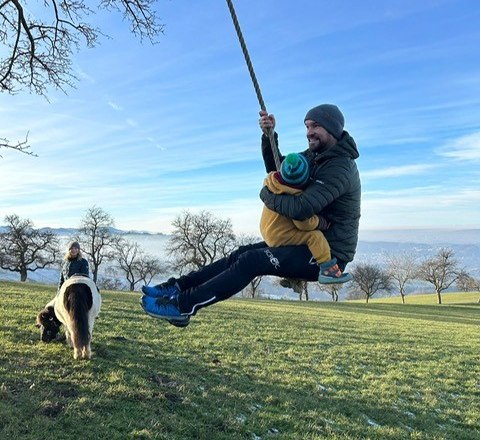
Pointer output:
246, 248
258, 261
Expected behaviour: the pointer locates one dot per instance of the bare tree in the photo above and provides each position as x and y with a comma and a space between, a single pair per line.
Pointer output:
37, 52
331, 289
21, 146
148, 267
110, 283
126, 255
354, 294
253, 289
198, 240
402, 268
370, 279
441, 270
135, 264
465, 282
96, 237
24, 249
298, 286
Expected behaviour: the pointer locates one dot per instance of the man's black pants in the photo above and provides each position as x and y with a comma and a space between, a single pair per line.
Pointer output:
226, 277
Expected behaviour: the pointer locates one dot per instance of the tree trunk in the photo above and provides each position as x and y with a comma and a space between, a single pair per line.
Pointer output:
403, 298
439, 297
132, 286
366, 299
23, 274
95, 275
305, 290
252, 289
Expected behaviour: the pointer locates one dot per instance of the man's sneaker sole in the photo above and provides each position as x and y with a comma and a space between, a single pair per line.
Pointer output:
167, 317
344, 278
180, 324
180, 321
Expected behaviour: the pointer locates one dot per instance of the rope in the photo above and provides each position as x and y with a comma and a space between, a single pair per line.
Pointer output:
271, 134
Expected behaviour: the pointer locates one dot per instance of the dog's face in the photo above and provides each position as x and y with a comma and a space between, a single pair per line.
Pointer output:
48, 324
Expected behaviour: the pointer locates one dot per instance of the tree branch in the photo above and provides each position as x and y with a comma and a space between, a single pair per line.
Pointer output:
21, 146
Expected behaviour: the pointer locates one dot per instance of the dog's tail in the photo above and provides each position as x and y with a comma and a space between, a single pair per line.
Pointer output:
78, 301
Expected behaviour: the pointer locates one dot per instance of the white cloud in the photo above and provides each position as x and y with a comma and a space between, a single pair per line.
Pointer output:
115, 106
154, 142
421, 207
406, 140
465, 148
405, 170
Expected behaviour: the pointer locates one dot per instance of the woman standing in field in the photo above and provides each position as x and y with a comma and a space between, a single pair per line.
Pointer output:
73, 263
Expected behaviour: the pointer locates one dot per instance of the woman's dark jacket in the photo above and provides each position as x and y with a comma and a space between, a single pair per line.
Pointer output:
334, 192
71, 267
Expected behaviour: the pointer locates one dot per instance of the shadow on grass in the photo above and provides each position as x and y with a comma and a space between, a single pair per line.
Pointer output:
460, 314
208, 381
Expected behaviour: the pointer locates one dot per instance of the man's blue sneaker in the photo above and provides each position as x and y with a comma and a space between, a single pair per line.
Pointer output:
164, 289
163, 307
330, 273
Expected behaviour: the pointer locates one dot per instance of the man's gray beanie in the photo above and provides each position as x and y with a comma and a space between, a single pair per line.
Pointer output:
329, 117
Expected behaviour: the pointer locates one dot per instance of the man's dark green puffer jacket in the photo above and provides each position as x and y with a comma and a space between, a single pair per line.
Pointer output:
334, 192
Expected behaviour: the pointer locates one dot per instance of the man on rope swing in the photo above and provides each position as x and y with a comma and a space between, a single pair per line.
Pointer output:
333, 194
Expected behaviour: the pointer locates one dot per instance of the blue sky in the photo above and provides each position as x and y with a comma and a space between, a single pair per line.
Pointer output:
151, 131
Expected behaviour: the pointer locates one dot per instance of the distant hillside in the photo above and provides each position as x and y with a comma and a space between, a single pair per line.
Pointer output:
425, 236
467, 255
74, 231
404, 236
371, 251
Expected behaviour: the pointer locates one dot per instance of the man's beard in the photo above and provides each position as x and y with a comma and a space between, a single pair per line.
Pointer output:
318, 145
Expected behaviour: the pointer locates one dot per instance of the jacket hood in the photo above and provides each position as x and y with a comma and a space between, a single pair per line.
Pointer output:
274, 185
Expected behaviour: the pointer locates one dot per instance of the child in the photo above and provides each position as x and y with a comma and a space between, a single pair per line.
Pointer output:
278, 230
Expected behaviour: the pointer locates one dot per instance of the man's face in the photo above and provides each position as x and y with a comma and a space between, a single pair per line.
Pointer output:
318, 138
74, 251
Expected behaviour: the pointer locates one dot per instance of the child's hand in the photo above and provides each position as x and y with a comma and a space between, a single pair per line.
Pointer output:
323, 223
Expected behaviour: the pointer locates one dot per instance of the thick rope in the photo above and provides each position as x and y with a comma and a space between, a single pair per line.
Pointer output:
271, 134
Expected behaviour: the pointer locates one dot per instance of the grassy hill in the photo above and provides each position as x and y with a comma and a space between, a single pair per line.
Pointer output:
244, 369
431, 298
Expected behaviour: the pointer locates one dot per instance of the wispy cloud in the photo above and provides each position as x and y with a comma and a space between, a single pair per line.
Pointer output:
182, 132
465, 148
115, 106
405, 170
421, 207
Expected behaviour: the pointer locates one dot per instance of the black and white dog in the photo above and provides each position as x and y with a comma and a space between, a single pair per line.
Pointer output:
48, 324
76, 306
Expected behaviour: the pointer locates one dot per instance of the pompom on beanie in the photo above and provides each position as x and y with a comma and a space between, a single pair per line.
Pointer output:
295, 169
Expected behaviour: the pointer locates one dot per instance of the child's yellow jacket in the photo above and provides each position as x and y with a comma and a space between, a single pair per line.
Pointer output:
278, 230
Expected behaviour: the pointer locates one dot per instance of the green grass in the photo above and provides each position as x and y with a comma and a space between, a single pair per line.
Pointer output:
244, 369
431, 298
